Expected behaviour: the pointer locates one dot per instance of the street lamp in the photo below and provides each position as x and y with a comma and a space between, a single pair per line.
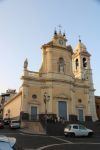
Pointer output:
46, 99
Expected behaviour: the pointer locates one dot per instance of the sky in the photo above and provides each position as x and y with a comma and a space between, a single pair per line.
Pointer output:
25, 25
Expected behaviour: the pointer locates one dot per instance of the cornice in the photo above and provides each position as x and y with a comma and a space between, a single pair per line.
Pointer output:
75, 84
81, 53
62, 96
67, 48
35, 102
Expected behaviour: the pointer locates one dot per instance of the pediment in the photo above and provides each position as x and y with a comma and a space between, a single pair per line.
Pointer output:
80, 106
63, 96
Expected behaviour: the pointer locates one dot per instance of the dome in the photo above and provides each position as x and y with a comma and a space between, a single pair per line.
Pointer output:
80, 47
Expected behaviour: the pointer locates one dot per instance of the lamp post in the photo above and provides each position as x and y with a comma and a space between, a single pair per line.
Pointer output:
46, 99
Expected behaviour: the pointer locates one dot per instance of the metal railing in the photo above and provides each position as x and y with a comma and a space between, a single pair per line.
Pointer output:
38, 117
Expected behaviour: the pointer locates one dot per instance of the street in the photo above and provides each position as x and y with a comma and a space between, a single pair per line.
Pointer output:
44, 142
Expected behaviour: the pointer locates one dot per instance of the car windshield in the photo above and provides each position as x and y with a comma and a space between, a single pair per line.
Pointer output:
1, 120
68, 127
14, 121
5, 146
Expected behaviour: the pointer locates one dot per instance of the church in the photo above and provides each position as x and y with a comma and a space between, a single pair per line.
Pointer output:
63, 86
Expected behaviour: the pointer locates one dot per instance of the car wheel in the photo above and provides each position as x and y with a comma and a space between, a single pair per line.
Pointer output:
66, 135
72, 134
90, 134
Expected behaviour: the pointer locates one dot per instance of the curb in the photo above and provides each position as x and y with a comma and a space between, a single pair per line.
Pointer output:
31, 133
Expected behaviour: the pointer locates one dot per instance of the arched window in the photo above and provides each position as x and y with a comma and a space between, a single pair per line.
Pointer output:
77, 63
61, 65
84, 62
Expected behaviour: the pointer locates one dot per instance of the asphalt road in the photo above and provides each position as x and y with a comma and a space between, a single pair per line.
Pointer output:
43, 142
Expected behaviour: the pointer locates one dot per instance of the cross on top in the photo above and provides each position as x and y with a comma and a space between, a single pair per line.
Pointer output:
79, 38
60, 27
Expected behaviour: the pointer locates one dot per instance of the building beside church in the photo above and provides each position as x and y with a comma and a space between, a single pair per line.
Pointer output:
4, 97
63, 86
97, 101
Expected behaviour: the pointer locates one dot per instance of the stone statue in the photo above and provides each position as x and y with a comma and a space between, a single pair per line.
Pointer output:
61, 67
25, 63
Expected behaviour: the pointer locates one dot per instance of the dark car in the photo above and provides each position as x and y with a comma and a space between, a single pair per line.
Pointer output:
1, 124
6, 121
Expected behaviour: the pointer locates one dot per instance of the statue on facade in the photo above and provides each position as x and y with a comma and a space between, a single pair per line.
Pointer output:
61, 67
25, 63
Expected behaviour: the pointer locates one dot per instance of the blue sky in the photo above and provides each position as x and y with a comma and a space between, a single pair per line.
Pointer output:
27, 24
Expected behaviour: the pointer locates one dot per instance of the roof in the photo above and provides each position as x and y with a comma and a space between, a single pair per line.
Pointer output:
97, 99
12, 98
81, 48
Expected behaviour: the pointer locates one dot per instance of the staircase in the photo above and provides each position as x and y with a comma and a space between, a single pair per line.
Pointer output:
33, 127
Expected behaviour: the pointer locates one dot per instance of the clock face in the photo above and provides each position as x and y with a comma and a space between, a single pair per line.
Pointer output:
61, 42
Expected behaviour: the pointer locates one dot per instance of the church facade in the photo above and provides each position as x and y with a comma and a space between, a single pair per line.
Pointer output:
62, 87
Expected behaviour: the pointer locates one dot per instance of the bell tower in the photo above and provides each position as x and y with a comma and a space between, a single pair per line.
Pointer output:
81, 62
82, 70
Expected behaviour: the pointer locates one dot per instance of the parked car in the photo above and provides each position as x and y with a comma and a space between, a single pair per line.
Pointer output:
14, 124
1, 124
6, 121
7, 143
77, 130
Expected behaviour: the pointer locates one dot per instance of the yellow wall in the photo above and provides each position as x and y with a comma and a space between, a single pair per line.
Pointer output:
14, 105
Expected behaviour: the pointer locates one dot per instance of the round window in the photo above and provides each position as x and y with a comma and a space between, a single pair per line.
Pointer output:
34, 96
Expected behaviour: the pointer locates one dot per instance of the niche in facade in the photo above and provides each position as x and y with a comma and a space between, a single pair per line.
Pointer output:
61, 65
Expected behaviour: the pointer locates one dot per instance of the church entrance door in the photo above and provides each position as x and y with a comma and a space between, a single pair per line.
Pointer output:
33, 113
62, 109
80, 112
